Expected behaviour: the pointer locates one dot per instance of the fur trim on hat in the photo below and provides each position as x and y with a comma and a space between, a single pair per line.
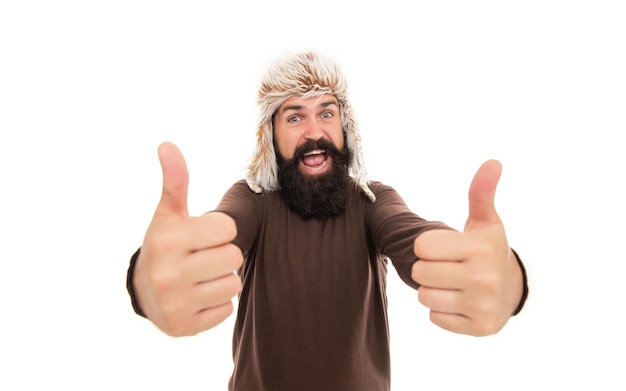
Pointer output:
308, 75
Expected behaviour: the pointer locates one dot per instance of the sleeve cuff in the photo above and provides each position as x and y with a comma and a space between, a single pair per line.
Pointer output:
525, 282
130, 286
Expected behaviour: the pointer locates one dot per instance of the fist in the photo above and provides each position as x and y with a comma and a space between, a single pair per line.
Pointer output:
470, 280
185, 275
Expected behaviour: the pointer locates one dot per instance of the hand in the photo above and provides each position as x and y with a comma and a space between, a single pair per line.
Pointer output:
471, 281
184, 277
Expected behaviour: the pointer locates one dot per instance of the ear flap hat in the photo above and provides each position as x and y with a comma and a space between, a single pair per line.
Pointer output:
308, 75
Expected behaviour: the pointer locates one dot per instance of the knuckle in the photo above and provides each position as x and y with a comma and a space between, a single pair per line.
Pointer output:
485, 328
233, 285
224, 224
164, 279
416, 271
216, 316
176, 320
487, 309
234, 255
487, 320
230, 229
422, 299
479, 331
424, 296
227, 310
176, 328
485, 280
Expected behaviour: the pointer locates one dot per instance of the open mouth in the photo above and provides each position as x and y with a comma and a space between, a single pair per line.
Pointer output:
315, 160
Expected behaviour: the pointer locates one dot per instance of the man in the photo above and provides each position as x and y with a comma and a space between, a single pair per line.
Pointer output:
304, 241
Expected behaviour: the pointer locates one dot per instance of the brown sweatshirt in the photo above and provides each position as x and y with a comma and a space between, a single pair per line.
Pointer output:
312, 314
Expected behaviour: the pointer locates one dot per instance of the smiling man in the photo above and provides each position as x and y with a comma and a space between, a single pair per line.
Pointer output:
305, 240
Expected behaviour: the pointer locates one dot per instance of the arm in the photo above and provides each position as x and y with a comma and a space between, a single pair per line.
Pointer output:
393, 229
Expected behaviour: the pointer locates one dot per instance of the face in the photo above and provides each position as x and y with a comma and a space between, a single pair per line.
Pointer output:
298, 121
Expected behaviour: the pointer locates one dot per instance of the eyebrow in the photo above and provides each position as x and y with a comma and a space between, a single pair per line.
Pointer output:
300, 107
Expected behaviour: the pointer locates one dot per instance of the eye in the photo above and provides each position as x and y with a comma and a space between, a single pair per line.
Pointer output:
327, 114
293, 118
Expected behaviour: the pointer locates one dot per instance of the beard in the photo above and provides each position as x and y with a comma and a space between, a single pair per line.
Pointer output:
315, 196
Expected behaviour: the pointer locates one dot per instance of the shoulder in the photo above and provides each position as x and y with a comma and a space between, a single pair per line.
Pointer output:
241, 186
240, 189
237, 196
379, 187
240, 196
384, 193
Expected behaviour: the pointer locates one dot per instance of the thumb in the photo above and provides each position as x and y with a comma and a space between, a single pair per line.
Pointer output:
173, 201
482, 194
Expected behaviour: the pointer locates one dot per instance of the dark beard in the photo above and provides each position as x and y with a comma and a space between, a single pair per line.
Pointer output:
320, 196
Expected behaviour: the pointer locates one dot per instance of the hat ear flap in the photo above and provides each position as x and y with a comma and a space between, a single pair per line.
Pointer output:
353, 141
263, 169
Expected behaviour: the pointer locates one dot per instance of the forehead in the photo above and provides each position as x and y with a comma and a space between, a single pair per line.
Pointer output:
301, 102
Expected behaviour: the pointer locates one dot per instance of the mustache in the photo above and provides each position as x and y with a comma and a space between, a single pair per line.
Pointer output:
311, 145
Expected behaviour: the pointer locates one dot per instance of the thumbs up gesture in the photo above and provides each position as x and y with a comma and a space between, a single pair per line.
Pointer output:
470, 280
184, 277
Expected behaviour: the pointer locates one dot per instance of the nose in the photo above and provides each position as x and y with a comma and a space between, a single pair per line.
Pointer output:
314, 130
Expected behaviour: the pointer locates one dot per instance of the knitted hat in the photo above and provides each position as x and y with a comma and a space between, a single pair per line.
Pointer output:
307, 75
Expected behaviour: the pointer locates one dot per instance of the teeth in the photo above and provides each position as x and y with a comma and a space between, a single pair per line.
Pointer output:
315, 152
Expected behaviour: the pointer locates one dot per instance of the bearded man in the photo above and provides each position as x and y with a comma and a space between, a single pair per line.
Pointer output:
304, 241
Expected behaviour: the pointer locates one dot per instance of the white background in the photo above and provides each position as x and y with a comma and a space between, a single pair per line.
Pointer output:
89, 89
